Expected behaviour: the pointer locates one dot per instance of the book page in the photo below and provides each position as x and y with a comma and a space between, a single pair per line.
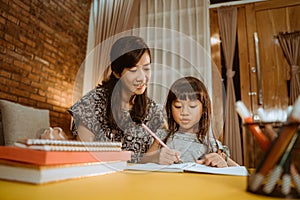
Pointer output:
190, 167
157, 167
236, 170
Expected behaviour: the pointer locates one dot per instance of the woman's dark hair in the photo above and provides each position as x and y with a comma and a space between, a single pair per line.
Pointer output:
193, 89
126, 52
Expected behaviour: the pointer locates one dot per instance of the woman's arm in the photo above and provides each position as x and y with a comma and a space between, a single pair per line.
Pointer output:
84, 134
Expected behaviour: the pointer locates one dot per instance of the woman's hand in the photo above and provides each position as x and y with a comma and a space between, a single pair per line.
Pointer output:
213, 160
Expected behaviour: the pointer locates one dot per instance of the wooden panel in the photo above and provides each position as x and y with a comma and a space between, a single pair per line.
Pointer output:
217, 83
271, 4
244, 82
272, 61
293, 18
243, 58
251, 28
215, 39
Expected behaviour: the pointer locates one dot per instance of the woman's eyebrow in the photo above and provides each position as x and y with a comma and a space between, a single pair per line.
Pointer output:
145, 65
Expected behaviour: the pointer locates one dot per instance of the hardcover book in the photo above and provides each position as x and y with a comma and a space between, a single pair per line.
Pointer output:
40, 157
37, 174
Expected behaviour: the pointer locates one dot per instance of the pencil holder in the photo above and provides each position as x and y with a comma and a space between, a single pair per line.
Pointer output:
273, 171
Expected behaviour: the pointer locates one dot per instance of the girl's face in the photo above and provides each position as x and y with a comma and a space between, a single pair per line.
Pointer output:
135, 79
187, 114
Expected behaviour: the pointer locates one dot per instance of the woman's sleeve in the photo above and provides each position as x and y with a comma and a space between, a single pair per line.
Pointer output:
83, 113
157, 117
161, 133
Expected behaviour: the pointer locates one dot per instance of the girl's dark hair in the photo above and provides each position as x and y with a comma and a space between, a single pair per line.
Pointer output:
193, 89
125, 53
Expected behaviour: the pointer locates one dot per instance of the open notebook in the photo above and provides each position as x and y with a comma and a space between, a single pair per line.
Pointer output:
190, 167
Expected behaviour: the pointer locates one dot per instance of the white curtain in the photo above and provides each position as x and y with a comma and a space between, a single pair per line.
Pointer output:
107, 20
177, 32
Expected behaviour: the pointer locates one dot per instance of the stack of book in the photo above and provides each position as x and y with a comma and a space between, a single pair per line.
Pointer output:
41, 161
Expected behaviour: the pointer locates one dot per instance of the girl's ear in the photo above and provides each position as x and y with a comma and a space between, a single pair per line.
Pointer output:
116, 75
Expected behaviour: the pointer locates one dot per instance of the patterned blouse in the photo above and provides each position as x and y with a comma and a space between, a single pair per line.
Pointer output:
90, 111
189, 146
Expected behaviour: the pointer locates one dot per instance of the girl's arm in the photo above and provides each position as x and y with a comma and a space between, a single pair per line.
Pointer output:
154, 147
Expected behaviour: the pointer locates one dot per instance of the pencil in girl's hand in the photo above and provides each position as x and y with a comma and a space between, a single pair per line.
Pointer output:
278, 147
159, 140
244, 113
155, 136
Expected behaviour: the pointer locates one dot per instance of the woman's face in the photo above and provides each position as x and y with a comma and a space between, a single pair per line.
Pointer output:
135, 79
187, 113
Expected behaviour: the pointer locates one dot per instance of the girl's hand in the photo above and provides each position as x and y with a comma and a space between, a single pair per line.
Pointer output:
168, 156
213, 160
164, 156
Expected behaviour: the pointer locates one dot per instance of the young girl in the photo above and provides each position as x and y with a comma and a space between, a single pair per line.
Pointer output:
188, 110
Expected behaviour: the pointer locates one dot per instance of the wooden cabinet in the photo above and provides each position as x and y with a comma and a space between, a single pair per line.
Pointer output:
268, 77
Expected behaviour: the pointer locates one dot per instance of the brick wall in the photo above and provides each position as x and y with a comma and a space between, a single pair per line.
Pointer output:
42, 45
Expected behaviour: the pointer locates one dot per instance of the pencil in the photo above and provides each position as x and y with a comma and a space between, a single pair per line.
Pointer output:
159, 140
277, 171
244, 113
295, 177
286, 178
155, 136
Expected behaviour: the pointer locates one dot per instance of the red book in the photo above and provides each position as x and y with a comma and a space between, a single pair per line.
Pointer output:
40, 157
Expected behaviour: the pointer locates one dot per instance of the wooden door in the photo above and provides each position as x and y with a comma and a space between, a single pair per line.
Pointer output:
266, 19
264, 83
268, 70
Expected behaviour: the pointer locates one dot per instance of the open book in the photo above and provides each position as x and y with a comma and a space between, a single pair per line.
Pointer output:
190, 167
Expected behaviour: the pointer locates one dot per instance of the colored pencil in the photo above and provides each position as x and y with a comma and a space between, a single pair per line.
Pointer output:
286, 178
244, 113
278, 147
155, 136
277, 171
159, 140
295, 177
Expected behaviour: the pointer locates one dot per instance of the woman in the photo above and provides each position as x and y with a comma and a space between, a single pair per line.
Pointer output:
113, 110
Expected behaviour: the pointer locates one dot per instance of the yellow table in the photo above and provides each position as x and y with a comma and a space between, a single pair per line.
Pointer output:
135, 185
